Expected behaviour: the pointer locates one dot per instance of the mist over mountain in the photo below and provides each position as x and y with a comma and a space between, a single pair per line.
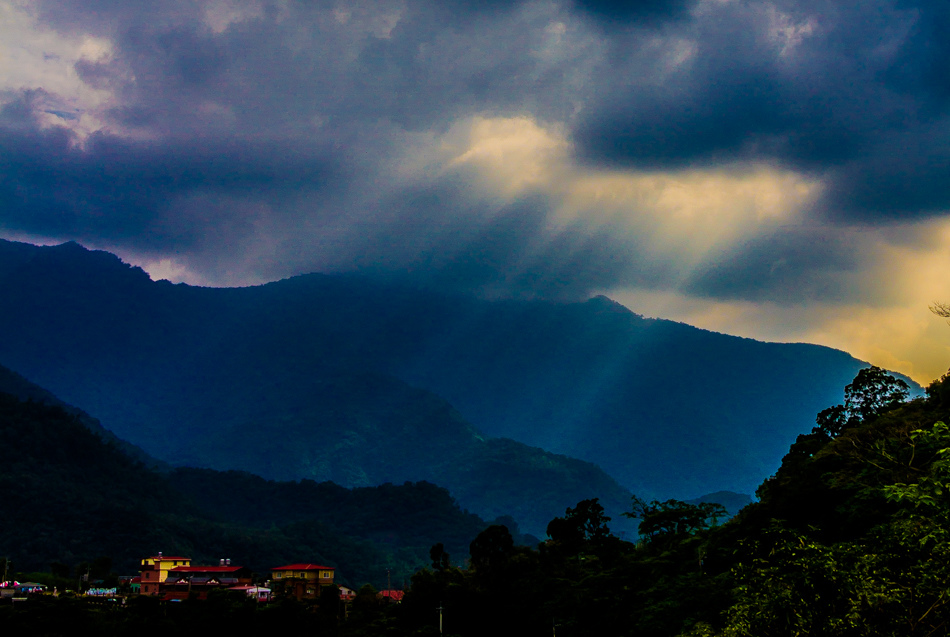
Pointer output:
357, 381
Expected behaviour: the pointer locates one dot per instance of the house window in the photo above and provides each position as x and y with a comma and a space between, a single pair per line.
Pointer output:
278, 575
326, 574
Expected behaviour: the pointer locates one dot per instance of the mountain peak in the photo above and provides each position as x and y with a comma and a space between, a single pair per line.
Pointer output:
74, 259
606, 304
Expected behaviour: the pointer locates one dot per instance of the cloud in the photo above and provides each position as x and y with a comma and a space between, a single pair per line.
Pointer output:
878, 313
616, 14
851, 93
112, 190
515, 201
904, 338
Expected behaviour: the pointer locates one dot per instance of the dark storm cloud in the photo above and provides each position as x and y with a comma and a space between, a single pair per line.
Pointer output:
905, 177
276, 74
854, 93
303, 111
298, 114
616, 13
922, 67
116, 189
794, 264
734, 99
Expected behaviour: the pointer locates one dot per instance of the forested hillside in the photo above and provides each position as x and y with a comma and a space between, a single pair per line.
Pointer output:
69, 498
239, 379
348, 379
850, 537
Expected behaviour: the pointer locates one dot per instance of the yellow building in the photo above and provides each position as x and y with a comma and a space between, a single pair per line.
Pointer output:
155, 570
302, 581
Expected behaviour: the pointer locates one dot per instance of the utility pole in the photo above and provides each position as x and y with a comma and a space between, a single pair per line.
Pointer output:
440, 618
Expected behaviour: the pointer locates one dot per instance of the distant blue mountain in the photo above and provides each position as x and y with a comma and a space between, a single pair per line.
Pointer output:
361, 382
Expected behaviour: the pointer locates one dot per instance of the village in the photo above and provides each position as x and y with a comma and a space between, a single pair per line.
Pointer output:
175, 579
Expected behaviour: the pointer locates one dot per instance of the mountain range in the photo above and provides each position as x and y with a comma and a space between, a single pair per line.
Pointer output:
519, 408
73, 495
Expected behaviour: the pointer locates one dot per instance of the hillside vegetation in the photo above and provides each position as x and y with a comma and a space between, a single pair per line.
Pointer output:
850, 537
69, 498
258, 379
361, 382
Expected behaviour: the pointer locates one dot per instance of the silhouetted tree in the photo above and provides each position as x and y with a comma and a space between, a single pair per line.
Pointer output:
492, 547
674, 517
942, 310
871, 392
440, 559
583, 528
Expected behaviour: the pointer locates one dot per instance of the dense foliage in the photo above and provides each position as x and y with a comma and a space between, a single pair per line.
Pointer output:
850, 537
69, 498
852, 534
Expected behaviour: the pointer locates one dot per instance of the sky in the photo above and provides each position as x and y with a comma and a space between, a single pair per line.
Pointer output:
777, 170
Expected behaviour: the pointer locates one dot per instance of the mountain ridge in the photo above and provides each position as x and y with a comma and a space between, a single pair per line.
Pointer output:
668, 409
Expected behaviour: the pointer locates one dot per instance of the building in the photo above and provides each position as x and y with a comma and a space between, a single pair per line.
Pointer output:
184, 581
302, 581
155, 571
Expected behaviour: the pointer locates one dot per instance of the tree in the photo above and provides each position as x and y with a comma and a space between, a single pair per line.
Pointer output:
871, 392
832, 421
440, 559
583, 527
674, 517
492, 547
589, 518
790, 585
942, 310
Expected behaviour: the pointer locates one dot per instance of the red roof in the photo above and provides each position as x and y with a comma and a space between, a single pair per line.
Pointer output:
136, 580
303, 567
205, 569
396, 596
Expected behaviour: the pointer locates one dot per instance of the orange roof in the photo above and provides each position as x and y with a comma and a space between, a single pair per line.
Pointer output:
303, 567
